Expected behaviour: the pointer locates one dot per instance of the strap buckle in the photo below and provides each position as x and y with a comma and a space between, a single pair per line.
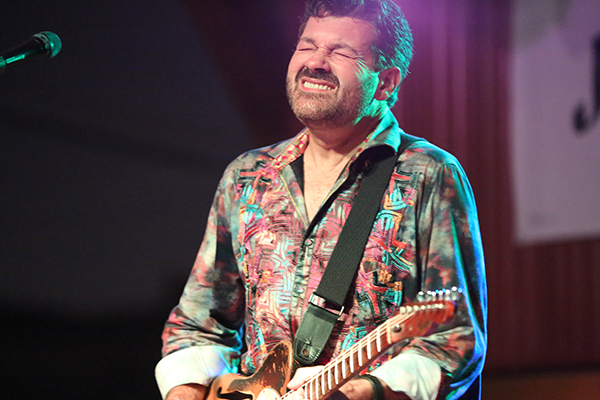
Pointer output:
320, 302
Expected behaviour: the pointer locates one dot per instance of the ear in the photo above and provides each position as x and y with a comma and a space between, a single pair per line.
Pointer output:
389, 79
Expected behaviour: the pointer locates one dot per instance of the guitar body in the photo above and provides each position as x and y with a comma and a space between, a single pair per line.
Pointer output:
267, 383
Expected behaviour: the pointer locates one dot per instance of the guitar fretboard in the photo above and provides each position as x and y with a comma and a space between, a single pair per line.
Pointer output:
351, 362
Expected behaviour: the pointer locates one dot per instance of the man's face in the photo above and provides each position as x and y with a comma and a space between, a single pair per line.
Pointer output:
331, 80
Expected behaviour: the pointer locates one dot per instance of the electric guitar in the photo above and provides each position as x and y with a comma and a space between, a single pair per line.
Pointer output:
270, 380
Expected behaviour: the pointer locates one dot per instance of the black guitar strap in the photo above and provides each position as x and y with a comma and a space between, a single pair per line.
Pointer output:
318, 321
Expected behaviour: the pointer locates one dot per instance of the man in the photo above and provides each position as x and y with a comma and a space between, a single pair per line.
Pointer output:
278, 212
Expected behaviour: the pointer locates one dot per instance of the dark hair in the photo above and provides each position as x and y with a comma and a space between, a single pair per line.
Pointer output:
394, 44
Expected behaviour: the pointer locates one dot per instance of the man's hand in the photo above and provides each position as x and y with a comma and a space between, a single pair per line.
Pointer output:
190, 391
355, 389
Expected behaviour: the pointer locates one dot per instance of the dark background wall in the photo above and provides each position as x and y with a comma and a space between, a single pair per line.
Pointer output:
110, 153
109, 157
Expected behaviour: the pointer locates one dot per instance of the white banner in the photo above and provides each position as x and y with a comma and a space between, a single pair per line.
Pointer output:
555, 119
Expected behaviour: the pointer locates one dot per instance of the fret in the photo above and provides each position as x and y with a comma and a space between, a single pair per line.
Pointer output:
360, 350
323, 384
351, 360
337, 372
378, 338
329, 386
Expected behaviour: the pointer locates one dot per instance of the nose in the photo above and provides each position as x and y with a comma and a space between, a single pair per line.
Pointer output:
318, 61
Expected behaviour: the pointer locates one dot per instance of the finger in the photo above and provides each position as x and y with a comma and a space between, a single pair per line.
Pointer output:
301, 375
297, 394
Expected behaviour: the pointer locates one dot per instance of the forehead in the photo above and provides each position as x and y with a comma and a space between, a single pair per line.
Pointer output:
336, 31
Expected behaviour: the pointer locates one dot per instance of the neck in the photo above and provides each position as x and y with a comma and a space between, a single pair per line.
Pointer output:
336, 144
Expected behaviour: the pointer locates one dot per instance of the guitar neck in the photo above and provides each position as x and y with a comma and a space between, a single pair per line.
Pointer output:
411, 321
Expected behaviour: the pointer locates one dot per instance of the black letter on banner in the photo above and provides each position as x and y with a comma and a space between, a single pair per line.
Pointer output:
580, 120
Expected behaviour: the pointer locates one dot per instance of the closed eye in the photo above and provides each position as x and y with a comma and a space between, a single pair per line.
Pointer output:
305, 45
345, 55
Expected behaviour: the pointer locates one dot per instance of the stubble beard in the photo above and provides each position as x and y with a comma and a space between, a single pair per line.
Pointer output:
325, 111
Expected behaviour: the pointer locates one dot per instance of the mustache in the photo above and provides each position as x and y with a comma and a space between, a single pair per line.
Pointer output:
319, 74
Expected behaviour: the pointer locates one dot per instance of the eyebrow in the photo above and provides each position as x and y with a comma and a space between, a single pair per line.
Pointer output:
335, 46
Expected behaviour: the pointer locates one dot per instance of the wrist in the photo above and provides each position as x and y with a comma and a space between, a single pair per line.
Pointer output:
381, 391
376, 384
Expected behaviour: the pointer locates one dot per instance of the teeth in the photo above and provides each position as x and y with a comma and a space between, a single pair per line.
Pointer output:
310, 85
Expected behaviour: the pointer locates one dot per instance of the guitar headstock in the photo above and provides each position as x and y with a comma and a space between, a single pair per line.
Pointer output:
416, 319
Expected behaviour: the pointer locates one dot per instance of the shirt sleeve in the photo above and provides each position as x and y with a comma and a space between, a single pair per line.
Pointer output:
449, 253
193, 365
202, 336
416, 376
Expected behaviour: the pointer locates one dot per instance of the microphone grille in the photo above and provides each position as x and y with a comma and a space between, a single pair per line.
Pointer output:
51, 42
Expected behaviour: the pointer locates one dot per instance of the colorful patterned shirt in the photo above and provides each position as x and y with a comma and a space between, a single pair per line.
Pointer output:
261, 258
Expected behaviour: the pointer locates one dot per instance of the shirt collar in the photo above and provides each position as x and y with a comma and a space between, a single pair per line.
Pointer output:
386, 133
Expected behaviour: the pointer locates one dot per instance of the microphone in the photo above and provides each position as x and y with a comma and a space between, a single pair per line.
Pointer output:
41, 46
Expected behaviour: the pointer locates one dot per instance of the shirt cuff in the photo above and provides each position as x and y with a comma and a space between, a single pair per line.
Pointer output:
416, 376
197, 364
